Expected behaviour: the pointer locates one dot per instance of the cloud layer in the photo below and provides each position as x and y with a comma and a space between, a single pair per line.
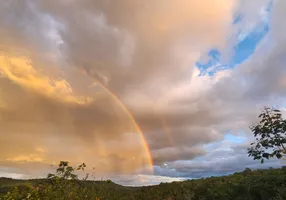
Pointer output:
72, 74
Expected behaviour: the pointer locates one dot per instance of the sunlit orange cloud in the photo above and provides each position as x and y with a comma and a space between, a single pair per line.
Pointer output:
42, 146
59, 116
2, 104
20, 71
37, 156
26, 158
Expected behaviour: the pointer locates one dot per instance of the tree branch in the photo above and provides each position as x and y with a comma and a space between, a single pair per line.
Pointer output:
283, 147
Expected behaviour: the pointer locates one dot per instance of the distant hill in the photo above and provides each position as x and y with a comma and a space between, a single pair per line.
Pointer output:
267, 184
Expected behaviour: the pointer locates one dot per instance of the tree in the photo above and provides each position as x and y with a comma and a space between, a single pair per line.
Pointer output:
65, 171
62, 185
270, 135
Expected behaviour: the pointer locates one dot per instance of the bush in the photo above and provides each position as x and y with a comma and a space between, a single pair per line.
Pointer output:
63, 185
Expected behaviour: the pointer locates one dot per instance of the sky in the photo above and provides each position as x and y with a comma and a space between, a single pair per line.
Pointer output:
143, 92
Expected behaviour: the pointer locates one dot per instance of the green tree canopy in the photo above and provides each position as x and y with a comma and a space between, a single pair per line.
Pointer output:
270, 135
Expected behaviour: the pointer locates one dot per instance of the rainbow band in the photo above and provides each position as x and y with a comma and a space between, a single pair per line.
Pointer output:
143, 140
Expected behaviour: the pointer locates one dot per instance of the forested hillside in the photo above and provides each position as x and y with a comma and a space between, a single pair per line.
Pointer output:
267, 184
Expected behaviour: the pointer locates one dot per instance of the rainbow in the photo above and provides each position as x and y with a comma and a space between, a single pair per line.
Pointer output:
167, 131
135, 124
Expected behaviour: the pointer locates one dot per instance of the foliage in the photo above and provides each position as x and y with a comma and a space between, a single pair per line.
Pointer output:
64, 184
270, 135
267, 184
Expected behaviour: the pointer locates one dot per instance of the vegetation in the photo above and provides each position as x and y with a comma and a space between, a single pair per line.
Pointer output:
247, 185
270, 135
64, 184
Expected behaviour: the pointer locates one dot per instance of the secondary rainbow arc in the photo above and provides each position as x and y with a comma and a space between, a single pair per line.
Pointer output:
135, 124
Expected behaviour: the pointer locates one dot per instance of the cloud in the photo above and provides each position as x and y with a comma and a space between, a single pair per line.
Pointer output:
72, 72
224, 158
19, 71
43, 121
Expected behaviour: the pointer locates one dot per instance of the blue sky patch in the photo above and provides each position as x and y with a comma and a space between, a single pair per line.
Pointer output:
214, 58
237, 19
235, 138
243, 49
